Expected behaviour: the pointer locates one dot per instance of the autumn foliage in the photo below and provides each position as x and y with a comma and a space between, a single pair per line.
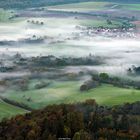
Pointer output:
83, 121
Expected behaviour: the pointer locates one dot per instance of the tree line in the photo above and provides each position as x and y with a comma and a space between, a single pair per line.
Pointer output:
81, 121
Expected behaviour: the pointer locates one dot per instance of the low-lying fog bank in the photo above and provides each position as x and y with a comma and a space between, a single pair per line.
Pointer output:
66, 37
119, 54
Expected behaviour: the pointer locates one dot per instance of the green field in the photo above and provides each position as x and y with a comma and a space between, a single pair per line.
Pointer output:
64, 91
98, 23
5, 15
94, 22
94, 6
7, 110
83, 6
135, 7
68, 92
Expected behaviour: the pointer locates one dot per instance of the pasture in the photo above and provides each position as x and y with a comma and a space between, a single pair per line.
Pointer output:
95, 6
132, 7
62, 32
5, 15
7, 110
80, 7
68, 92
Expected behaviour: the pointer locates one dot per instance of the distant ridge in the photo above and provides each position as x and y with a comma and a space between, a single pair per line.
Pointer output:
36, 3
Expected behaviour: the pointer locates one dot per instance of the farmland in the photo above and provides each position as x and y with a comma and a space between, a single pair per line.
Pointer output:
67, 35
69, 92
69, 69
5, 15
95, 6
7, 110
133, 7
85, 6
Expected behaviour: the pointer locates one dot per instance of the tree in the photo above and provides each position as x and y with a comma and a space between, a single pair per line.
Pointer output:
89, 85
82, 135
104, 76
51, 137
67, 131
109, 21
31, 135
124, 124
75, 121
42, 23
133, 18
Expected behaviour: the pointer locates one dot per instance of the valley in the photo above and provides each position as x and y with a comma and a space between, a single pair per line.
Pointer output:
48, 52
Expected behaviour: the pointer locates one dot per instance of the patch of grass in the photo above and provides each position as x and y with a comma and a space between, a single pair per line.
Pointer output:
68, 92
135, 7
4, 15
100, 22
95, 22
92, 6
83, 6
108, 95
7, 110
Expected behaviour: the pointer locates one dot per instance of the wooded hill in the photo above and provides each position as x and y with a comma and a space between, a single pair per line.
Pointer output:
83, 121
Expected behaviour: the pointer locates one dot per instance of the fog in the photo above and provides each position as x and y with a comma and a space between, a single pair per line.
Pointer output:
63, 39
13, 74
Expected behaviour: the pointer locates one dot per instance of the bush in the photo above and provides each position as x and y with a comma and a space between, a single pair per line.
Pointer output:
41, 85
89, 85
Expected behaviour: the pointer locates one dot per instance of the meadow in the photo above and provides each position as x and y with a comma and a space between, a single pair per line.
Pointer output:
95, 6
101, 23
69, 92
5, 15
61, 29
7, 110
80, 7
132, 7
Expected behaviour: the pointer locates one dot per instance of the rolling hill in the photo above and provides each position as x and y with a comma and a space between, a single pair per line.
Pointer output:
36, 3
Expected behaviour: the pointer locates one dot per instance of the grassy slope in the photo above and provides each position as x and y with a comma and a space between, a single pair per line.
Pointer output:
94, 22
4, 15
83, 6
7, 110
131, 7
103, 22
33, 3
37, 3
68, 92
92, 6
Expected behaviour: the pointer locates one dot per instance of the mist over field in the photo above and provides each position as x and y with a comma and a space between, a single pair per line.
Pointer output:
70, 52
63, 39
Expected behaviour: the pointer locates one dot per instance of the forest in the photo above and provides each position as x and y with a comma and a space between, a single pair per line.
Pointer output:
81, 121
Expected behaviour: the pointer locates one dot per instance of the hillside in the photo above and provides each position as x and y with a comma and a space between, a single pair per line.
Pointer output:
69, 70
36, 3
33, 3
86, 121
